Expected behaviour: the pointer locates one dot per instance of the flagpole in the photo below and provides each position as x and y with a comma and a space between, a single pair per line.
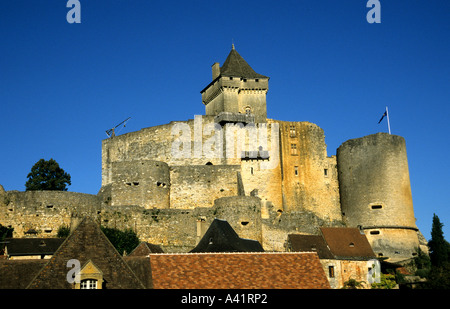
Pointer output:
387, 115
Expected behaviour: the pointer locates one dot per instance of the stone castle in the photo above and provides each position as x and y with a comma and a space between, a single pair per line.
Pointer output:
268, 178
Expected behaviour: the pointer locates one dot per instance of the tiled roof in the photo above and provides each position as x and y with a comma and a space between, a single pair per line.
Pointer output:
145, 248
32, 246
238, 271
17, 274
236, 66
221, 237
86, 242
316, 243
347, 242
140, 265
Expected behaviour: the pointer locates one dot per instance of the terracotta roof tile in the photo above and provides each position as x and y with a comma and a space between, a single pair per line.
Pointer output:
238, 271
347, 242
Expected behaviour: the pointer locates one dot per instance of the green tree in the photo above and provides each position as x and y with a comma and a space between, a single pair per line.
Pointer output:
47, 175
5, 232
422, 264
124, 241
63, 231
439, 247
439, 277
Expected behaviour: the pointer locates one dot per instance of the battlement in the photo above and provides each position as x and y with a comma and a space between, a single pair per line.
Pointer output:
268, 178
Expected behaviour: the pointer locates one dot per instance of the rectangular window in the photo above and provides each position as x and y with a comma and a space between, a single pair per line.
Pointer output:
296, 170
88, 284
294, 149
292, 131
377, 206
331, 271
325, 172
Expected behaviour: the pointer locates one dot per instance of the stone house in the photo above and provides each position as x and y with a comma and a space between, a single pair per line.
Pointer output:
344, 254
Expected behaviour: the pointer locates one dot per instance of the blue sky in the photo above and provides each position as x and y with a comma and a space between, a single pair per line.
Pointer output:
63, 85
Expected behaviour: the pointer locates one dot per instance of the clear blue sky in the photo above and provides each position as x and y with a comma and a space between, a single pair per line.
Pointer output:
62, 85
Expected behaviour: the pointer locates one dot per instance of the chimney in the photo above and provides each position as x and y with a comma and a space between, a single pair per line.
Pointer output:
215, 70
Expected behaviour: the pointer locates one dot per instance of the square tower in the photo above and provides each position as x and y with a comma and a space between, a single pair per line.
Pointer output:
237, 93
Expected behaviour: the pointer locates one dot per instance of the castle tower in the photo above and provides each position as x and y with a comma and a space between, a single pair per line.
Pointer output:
237, 93
375, 193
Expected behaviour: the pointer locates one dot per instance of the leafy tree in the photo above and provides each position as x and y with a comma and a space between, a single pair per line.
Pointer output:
5, 232
439, 247
47, 175
123, 241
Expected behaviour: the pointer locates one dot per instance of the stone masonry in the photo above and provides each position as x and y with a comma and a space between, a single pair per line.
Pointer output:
268, 178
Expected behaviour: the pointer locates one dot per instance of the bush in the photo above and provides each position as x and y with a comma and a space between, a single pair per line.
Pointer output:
387, 281
123, 241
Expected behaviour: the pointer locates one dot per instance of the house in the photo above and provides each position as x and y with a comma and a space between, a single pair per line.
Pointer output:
221, 237
344, 253
86, 259
31, 248
144, 249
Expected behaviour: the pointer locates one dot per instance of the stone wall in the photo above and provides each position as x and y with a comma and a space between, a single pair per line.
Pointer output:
199, 185
309, 176
41, 213
144, 183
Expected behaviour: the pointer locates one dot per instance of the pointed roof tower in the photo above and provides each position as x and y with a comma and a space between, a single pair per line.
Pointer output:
236, 66
236, 93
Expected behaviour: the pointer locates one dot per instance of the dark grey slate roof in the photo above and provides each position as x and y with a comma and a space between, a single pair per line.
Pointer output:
17, 274
32, 246
310, 243
220, 237
236, 66
145, 248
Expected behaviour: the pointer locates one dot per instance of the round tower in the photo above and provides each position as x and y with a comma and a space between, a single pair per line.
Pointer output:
375, 193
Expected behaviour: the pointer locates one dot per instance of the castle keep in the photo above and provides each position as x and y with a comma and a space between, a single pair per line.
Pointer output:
268, 178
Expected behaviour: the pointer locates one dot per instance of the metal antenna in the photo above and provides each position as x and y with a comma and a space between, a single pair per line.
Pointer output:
111, 132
